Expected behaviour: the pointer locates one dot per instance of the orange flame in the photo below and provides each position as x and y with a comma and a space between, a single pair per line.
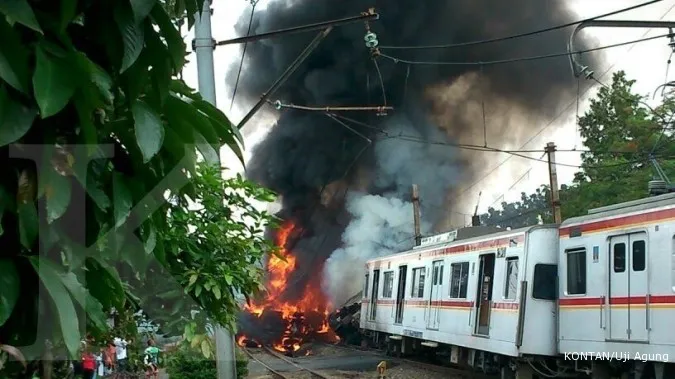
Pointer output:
279, 271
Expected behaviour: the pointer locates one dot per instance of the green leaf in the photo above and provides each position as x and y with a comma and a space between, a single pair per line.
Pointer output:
65, 308
11, 283
53, 85
216, 292
193, 279
13, 59
104, 283
132, 36
207, 151
206, 349
78, 292
198, 290
57, 195
142, 8
149, 129
21, 12
151, 241
84, 113
28, 224
228, 279
15, 118
122, 200
223, 125
68, 13
174, 40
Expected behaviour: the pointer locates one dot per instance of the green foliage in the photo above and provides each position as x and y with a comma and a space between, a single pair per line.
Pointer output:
79, 232
187, 362
621, 133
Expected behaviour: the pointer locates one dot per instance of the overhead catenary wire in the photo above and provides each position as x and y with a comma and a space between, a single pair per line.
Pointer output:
520, 35
243, 53
550, 123
519, 59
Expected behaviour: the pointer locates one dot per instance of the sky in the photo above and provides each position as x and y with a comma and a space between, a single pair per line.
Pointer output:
645, 62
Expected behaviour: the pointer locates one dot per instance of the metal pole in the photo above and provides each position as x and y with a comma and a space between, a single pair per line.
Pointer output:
289, 71
204, 45
553, 178
416, 214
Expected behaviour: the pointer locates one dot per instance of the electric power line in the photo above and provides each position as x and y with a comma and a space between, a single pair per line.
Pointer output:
527, 34
520, 59
243, 53
550, 123
517, 153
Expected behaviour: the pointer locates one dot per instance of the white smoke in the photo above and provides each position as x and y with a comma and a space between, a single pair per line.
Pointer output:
380, 226
384, 224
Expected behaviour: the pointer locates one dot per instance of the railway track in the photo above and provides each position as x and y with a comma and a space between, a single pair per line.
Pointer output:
295, 370
451, 371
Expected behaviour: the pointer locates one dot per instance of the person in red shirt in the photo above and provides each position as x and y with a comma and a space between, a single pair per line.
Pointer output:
88, 364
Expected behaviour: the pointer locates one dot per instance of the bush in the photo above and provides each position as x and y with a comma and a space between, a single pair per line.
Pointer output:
188, 363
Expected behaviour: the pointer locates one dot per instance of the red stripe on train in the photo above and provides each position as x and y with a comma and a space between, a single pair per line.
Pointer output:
621, 221
623, 300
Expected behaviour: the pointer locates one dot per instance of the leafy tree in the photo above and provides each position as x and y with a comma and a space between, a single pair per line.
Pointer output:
621, 133
518, 214
95, 133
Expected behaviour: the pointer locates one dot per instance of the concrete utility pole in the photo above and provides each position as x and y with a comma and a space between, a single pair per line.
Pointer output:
203, 46
553, 179
416, 214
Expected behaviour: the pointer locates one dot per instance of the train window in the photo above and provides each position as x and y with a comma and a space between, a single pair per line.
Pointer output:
388, 284
418, 282
619, 257
673, 266
545, 282
639, 256
511, 280
459, 280
576, 271
365, 288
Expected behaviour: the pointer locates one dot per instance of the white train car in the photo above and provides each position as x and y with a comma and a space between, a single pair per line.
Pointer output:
594, 296
617, 282
474, 295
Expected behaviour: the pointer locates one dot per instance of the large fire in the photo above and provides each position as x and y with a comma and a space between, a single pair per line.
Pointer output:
303, 319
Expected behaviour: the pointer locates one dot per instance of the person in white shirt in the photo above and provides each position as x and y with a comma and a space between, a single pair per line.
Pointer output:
121, 352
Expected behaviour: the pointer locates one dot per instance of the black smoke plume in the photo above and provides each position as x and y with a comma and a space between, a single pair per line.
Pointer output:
350, 196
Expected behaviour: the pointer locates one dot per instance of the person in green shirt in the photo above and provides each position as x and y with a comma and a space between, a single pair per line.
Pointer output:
151, 360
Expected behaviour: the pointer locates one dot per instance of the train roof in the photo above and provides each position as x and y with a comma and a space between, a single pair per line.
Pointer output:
635, 206
458, 242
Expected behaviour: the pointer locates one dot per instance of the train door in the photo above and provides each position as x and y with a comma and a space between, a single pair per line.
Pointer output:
628, 288
638, 285
435, 295
374, 293
400, 294
484, 294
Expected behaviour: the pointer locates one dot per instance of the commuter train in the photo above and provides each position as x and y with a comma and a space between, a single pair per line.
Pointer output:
593, 296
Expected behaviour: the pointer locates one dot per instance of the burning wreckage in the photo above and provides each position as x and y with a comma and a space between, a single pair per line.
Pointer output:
286, 324
345, 181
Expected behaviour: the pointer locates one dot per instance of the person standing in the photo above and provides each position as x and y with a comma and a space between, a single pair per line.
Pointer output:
110, 353
88, 364
151, 360
121, 353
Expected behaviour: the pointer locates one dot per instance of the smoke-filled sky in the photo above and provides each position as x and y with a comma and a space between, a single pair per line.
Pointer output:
348, 185
649, 73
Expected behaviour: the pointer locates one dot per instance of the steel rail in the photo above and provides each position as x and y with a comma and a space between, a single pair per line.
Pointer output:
280, 375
